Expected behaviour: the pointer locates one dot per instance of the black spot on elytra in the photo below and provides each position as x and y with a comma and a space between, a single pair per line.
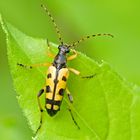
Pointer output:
49, 75
64, 78
61, 91
52, 102
48, 101
48, 89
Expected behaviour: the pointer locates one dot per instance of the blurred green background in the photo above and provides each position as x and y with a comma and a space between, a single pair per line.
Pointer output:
75, 19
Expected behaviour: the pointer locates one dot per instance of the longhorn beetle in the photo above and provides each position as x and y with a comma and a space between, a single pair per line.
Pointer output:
58, 74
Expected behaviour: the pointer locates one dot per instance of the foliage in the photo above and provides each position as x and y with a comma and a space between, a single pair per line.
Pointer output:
106, 107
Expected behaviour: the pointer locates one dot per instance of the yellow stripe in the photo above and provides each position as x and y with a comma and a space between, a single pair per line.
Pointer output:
48, 106
55, 107
49, 95
58, 97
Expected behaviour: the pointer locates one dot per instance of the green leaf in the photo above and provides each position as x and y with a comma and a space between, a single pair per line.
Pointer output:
105, 107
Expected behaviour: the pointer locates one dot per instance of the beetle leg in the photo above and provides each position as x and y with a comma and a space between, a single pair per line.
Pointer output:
40, 108
72, 56
50, 54
89, 76
69, 108
74, 71
78, 73
73, 118
34, 65
69, 95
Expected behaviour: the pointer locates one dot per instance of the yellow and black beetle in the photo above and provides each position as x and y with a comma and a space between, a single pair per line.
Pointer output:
58, 74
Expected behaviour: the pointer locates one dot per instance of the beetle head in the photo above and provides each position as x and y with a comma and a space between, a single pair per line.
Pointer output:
64, 48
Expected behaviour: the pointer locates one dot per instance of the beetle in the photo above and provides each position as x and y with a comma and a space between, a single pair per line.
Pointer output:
58, 73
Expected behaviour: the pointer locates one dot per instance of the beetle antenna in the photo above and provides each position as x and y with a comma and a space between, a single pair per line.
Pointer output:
87, 37
55, 25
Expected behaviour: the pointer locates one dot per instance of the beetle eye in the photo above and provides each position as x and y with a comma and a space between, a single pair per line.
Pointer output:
67, 51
